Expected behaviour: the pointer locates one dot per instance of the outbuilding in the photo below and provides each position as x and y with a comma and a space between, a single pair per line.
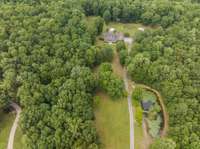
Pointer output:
112, 36
146, 105
141, 29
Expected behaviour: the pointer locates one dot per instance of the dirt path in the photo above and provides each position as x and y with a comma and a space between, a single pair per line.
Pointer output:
130, 108
14, 126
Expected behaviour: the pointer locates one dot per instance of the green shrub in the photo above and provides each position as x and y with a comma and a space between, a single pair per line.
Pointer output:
137, 94
138, 114
154, 126
110, 83
96, 101
123, 54
105, 54
120, 45
126, 34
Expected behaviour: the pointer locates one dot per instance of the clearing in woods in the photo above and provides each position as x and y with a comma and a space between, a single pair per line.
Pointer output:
112, 117
6, 121
112, 122
18, 143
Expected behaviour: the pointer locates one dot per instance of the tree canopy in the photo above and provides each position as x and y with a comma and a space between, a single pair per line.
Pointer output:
163, 144
47, 52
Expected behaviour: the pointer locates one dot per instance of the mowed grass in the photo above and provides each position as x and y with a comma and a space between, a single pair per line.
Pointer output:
6, 121
138, 130
116, 66
18, 143
130, 28
138, 133
112, 122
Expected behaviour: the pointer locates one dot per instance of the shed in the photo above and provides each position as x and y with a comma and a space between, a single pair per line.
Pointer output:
141, 29
146, 105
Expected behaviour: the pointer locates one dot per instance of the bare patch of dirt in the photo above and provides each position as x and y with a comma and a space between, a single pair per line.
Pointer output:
147, 139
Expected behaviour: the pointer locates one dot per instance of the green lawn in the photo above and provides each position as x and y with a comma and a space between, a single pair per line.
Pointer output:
18, 144
130, 28
6, 121
138, 130
138, 134
112, 123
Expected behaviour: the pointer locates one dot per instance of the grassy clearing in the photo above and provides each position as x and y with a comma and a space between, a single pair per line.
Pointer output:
117, 67
112, 117
99, 43
130, 28
18, 144
6, 121
138, 130
138, 133
112, 122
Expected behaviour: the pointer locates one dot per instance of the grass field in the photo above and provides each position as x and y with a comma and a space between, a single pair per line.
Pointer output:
116, 66
138, 133
18, 144
6, 121
130, 28
112, 123
138, 136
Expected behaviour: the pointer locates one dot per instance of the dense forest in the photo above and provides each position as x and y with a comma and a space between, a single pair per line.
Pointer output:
47, 52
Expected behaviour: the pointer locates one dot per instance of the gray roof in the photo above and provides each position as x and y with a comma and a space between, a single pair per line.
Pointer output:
112, 37
146, 105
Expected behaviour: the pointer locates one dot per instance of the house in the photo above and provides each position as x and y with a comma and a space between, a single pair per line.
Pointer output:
113, 36
146, 105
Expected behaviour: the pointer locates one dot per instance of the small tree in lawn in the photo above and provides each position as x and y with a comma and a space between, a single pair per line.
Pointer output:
99, 22
107, 16
137, 94
120, 45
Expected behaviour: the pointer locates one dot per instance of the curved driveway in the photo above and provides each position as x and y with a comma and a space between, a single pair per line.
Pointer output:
14, 126
130, 107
